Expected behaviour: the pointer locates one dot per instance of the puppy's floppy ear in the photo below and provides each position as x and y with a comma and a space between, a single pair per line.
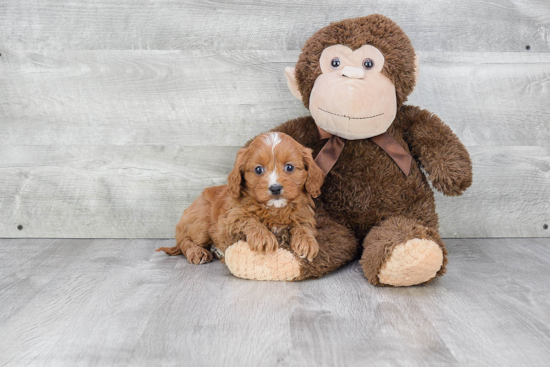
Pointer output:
315, 176
234, 180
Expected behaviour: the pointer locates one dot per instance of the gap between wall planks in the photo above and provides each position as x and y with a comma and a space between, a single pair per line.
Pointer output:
445, 25
117, 143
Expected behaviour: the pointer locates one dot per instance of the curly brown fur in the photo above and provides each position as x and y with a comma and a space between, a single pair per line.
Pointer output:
257, 223
247, 208
330, 257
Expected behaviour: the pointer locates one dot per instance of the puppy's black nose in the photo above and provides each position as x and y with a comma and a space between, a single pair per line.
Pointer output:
275, 189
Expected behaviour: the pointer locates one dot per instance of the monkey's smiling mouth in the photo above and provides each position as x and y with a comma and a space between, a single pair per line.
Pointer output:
349, 117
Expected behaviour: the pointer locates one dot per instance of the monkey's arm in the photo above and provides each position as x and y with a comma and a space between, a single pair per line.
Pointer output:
443, 156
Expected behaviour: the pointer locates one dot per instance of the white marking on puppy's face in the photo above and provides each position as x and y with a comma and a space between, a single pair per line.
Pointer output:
273, 177
277, 203
272, 139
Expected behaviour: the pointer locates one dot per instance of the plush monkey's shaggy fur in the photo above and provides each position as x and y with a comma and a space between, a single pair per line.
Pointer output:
366, 199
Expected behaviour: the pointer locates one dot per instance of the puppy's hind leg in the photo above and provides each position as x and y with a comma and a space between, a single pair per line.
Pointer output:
192, 236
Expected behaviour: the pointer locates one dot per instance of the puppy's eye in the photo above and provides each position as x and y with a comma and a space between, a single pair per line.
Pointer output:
335, 63
259, 170
289, 168
368, 64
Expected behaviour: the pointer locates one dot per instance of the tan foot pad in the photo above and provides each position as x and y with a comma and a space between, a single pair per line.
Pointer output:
413, 262
246, 264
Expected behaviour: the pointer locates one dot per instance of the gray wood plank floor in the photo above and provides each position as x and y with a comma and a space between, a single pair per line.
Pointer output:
116, 302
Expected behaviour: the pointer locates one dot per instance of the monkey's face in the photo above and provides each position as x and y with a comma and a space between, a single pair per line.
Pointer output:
352, 98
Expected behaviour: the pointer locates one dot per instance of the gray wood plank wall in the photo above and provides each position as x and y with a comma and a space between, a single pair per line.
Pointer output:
114, 115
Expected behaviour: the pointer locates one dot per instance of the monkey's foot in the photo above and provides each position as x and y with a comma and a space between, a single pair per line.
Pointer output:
281, 265
413, 262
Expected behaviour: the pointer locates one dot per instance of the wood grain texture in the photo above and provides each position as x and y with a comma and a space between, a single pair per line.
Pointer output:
225, 98
469, 25
104, 192
141, 191
118, 303
143, 97
509, 196
98, 293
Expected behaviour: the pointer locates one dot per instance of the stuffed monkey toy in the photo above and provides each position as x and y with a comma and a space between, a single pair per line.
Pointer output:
378, 155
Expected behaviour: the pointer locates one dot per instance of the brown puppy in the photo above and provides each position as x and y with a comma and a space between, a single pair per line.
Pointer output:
270, 188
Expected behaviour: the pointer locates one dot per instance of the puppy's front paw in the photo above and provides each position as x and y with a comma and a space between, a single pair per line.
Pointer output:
305, 246
263, 242
198, 255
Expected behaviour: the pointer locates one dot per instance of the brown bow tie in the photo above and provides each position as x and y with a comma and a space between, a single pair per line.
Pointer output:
329, 154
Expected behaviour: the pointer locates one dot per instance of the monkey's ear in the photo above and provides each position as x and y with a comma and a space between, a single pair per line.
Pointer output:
292, 83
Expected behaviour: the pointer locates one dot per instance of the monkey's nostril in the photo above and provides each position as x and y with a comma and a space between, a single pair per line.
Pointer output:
275, 189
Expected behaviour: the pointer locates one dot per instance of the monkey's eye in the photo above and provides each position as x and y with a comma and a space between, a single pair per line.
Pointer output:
289, 168
368, 64
335, 63
258, 170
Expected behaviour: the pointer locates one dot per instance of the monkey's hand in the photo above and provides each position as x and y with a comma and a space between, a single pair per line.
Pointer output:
443, 156
450, 175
